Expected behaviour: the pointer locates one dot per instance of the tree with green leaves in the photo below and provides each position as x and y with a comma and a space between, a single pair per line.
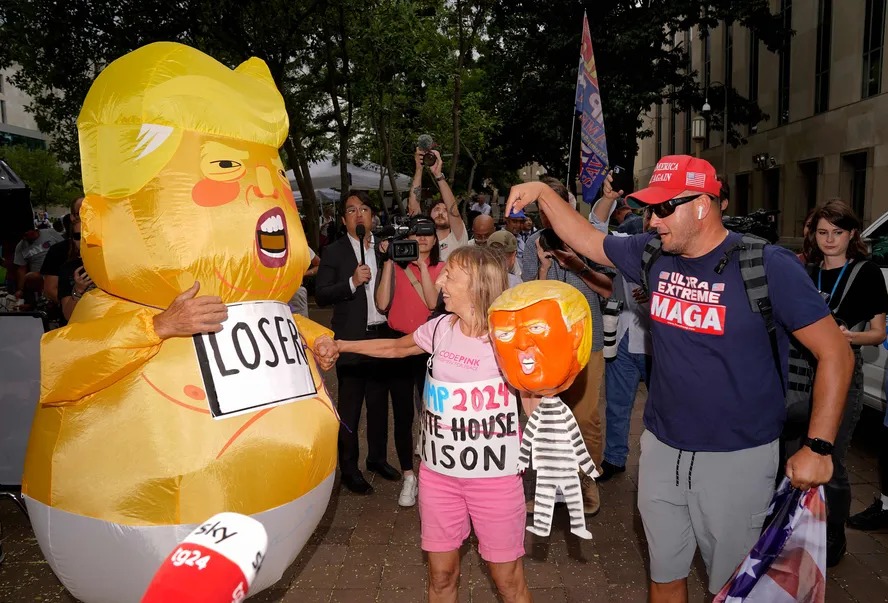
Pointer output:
40, 170
532, 52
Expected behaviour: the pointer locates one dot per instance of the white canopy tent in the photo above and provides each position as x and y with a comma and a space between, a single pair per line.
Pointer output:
326, 175
323, 195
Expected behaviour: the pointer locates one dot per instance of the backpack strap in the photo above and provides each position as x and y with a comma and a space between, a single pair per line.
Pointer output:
430, 363
652, 252
755, 281
415, 282
855, 270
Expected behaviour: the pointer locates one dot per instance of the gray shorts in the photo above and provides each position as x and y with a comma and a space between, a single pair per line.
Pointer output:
715, 500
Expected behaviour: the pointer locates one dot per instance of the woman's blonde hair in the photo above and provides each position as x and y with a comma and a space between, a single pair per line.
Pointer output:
487, 276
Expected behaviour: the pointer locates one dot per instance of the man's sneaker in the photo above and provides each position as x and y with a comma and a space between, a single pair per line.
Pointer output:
608, 470
409, 490
591, 496
836, 545
875, 517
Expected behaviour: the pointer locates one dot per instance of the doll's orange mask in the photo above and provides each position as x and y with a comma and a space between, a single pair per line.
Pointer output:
536, 350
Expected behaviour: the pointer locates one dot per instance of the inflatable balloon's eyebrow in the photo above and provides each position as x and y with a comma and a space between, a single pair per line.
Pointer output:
541, 333
137, 439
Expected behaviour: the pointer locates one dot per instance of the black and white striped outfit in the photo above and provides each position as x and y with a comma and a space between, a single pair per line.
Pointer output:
552, 440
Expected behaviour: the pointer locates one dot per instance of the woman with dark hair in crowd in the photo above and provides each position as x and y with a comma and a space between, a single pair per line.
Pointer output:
856, 294
406, 294
806, 228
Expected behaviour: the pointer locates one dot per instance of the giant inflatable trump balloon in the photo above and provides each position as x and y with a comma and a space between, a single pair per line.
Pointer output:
138, 439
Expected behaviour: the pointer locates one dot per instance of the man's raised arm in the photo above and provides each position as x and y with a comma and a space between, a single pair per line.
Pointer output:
456, 223
573, 229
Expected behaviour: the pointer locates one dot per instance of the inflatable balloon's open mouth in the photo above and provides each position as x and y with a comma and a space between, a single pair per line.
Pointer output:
271, 238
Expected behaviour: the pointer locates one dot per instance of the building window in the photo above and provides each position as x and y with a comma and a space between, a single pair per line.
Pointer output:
809, 172
855, 170
821, 68
873, 40
785, 61
2, 111
753, 83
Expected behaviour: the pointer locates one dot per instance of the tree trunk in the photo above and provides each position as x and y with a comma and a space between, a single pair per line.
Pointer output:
393, 177
343, 126
471, 182
457, 93
296, 156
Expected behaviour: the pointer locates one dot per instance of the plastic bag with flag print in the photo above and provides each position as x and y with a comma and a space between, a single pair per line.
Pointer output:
788, 563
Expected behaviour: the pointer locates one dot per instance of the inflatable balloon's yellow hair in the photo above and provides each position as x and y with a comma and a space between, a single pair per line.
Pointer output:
138, 108
572, 303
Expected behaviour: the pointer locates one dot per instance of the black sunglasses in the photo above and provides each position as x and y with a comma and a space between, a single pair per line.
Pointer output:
667, 208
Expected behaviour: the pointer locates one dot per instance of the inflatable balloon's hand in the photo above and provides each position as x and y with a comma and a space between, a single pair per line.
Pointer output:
107, 339
311, 332
189, 315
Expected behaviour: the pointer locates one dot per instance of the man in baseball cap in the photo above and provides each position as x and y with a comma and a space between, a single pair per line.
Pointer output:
677, 176
715, 409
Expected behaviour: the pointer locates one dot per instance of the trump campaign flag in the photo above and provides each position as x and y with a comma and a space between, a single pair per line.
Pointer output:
593, 144
788, 563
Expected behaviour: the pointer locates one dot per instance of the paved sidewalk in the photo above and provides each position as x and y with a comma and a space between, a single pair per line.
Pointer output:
367, 548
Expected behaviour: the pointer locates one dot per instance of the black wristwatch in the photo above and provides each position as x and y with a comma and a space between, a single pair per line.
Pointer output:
819, 446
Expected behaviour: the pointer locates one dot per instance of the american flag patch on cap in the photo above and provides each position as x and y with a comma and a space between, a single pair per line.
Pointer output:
695, 179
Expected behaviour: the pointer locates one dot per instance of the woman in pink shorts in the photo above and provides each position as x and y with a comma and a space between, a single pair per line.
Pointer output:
469, 472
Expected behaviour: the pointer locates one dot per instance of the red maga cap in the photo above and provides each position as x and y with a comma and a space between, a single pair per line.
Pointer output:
674, 175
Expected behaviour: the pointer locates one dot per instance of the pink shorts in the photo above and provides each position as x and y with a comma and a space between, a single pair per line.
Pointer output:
494, 506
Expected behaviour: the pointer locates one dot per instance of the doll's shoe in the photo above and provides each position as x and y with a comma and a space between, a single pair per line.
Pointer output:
538, 531
582, 533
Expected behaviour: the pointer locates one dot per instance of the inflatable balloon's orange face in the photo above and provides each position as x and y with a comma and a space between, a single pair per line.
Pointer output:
541, 334
173, 198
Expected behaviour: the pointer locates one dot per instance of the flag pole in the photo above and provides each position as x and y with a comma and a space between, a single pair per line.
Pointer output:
573, 124
573, 121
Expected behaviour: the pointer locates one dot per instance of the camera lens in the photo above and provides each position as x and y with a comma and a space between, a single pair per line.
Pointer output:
429, 159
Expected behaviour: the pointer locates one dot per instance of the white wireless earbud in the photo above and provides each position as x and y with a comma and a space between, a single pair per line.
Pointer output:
700, 213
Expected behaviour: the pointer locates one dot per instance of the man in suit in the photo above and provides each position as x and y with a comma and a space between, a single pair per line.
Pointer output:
347, 279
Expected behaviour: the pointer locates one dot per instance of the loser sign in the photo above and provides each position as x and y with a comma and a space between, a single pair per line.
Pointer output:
258, 359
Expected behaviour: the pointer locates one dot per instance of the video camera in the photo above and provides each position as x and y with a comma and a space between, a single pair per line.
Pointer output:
761, 223
400, 248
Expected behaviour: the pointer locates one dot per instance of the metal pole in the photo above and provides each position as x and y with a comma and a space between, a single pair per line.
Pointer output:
573, 125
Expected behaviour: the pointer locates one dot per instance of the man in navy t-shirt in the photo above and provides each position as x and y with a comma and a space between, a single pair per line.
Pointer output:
715, 410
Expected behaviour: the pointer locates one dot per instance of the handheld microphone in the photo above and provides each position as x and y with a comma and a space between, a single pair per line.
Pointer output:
361, 232
216, 563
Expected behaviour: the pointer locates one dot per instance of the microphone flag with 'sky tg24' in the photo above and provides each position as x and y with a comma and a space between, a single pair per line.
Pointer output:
216, 563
